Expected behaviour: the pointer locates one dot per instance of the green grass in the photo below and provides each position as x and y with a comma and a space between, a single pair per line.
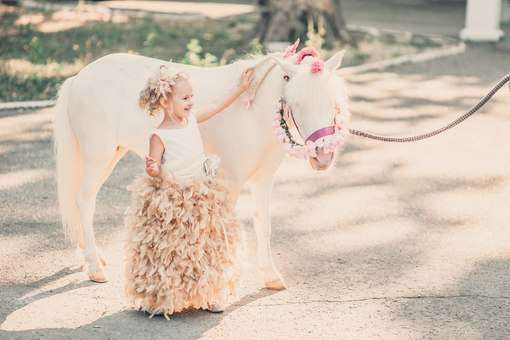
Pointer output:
144, 36
34, 62
165, 40
17, 88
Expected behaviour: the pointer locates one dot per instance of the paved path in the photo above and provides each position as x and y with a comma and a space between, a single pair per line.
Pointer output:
397, 241
205, 9
171, 9
445, 17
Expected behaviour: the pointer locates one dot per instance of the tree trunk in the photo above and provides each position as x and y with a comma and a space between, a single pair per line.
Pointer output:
335, 18
282, 20
286, 20
265, 18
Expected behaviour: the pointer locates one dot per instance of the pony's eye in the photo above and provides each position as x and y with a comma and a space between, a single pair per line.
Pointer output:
286, 77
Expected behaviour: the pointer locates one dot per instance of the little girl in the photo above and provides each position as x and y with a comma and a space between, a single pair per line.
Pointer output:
182, 234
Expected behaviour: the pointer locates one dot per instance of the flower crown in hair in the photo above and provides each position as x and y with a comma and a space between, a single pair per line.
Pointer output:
157, 87
165, 81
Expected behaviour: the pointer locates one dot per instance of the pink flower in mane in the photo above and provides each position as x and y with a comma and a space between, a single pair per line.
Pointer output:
306, 51
316, 66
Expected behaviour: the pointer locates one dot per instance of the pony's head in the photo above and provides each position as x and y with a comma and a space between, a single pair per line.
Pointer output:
315, 103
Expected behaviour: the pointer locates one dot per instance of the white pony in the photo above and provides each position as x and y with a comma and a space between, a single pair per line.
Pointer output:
98, 120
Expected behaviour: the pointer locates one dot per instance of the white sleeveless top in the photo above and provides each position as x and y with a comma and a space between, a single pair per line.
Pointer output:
184, 152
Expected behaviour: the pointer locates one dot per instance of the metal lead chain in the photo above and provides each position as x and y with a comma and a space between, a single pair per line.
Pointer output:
457, 121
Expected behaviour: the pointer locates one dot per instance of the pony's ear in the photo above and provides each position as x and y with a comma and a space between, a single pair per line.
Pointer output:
291, 50
335, 61
287, 67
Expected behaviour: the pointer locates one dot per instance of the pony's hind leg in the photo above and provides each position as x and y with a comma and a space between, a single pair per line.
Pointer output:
95, 171
261, 187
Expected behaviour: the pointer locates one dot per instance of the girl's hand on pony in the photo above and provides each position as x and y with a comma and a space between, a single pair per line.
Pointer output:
246, 79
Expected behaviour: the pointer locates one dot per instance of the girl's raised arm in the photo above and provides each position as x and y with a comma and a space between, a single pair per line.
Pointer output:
153, 160
211, 110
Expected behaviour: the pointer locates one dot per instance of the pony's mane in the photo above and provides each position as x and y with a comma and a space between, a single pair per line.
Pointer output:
255, 59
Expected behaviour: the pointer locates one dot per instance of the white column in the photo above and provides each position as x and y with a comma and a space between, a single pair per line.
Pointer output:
483, 19
505, 12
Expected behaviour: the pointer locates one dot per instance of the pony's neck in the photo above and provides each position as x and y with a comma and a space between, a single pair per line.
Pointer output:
216, 81
254, 61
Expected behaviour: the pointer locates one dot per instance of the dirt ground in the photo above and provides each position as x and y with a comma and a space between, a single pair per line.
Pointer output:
396, 241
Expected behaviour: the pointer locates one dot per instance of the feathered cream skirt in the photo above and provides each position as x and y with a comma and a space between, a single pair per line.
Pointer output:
182, 246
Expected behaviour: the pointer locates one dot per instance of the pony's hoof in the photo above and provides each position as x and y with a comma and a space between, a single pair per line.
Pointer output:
275, 285
98, 277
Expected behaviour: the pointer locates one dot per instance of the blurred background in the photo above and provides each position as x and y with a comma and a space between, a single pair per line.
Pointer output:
44, 42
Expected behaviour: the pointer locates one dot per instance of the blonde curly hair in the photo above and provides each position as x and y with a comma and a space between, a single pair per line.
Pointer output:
161, 85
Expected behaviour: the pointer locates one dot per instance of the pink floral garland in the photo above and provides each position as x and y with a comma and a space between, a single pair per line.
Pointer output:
329, 143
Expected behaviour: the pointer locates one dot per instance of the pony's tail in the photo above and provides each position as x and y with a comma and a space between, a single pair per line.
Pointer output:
68, 159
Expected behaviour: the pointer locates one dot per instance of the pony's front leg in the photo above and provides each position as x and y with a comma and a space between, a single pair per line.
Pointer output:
261, 189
